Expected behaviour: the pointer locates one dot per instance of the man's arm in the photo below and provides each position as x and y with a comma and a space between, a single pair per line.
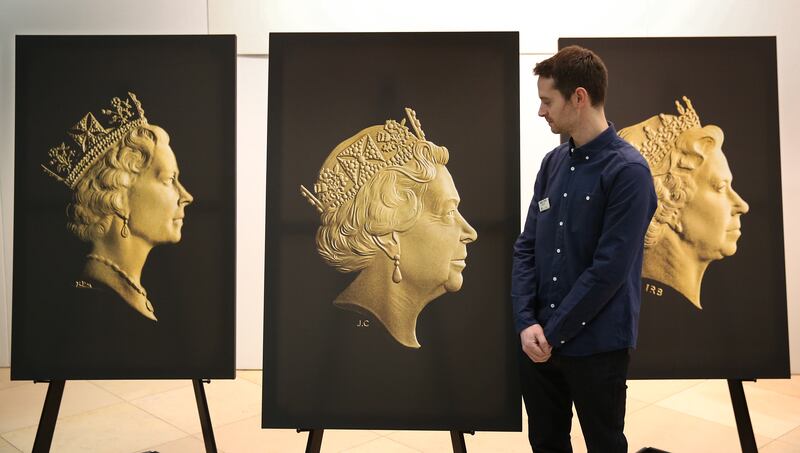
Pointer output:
523, 271
631, 204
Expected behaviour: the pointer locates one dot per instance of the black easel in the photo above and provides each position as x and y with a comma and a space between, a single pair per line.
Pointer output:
314, 443
52, 403
747, 439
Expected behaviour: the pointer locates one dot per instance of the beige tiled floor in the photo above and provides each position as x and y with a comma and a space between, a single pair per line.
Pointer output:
134, 416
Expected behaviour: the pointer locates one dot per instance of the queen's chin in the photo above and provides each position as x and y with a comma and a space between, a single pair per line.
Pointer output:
455, 281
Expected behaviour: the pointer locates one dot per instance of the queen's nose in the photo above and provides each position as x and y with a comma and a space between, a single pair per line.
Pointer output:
468, 234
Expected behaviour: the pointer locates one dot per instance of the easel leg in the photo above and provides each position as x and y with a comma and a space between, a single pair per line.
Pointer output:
47, 424
314, 440
205, 417
747, 438
457, 437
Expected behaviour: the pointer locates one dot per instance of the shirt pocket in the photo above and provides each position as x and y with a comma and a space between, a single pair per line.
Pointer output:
586, 214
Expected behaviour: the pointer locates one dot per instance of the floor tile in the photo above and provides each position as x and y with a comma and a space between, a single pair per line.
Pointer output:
778, 446
253, 376
246, 436
6, 447
187, 444
228, 401
384, 445
336, 440
131, 390
792, 437
653, 391
632, 405
6, 382
789, 387
121, 428
425, 441
674, 431
772, 413
22, 406
499, 442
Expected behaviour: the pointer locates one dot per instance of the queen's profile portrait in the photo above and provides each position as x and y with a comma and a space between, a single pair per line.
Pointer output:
389, 212
698, 219
126, 196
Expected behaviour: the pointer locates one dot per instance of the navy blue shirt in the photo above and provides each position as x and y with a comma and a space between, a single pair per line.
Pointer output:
578, 262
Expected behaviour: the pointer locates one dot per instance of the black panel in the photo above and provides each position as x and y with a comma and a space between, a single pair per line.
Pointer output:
741, 331
320, 369
187, 86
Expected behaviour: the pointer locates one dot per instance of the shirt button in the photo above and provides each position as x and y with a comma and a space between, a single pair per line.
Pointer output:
587, 197
562, 341
565, 195
571, 168
555, 279
558, 250
587, 157
552, 305
583, 323
560, 223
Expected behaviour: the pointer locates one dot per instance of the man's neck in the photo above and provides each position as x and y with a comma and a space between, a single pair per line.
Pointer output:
591, 125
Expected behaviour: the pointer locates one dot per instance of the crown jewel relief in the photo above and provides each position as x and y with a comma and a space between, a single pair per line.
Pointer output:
93, 139
659, 141
341, 178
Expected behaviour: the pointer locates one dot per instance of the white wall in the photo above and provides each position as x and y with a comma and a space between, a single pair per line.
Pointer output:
251, 180
540, 24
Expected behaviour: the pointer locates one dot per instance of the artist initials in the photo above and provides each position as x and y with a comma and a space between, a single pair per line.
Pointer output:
648, 288
362, 323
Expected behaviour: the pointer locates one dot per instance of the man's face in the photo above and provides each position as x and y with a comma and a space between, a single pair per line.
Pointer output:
560, 114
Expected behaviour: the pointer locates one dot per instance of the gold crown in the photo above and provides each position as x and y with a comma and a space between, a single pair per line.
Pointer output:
659, 142
341, 177
92, 140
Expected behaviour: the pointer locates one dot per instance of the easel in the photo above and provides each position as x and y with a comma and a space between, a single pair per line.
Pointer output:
52, 403
747, 438
315, 440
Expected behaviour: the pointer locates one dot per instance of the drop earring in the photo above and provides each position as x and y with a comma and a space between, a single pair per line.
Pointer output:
125, 232
396, 275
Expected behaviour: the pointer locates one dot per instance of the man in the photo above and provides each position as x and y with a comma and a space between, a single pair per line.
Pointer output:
578, 262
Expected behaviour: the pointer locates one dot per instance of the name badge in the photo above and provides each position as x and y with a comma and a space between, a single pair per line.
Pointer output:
544, 205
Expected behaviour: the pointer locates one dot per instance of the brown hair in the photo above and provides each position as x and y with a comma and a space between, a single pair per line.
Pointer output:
574, 67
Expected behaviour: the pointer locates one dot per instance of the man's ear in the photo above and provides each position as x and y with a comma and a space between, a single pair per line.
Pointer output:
581, 97
389, 243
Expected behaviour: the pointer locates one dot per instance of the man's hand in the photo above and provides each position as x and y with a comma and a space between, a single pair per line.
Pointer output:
535, 344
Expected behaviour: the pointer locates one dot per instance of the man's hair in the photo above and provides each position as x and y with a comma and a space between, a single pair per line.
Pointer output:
574, 67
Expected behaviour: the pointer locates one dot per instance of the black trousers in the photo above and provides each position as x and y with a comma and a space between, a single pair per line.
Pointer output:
595, 383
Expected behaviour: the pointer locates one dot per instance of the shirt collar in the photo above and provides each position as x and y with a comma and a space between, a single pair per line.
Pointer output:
596, 144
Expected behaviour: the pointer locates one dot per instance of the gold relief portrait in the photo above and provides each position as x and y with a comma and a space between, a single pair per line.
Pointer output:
389, 212
127, 197
698, 219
